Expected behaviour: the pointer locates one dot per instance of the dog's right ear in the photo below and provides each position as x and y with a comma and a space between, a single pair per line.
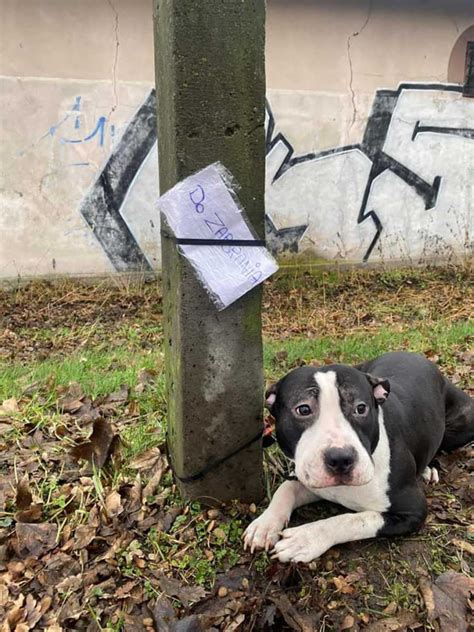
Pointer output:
381, 387
270, 396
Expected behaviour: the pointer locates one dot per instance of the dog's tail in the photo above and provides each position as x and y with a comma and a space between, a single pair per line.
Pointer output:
459, 419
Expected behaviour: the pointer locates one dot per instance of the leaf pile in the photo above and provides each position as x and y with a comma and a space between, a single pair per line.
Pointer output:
93, 533
91, 540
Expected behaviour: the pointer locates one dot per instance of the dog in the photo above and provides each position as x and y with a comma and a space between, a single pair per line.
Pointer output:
361, 437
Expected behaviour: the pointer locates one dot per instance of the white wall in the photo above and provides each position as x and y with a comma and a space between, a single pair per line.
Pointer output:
370, 152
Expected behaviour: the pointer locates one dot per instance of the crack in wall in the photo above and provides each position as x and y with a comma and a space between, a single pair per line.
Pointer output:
351, 70
114, 66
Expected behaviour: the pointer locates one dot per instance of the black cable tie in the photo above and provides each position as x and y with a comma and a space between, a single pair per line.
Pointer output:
213, 464
188, 241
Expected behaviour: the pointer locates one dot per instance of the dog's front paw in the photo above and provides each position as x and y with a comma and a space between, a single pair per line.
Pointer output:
264, 532
302, 544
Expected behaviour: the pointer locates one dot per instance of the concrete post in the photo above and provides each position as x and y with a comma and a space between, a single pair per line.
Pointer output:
210, 84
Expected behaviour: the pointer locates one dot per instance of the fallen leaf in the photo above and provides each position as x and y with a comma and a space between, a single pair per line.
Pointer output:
117, 397
155, 480
134, 497
185, 594
451, 592
163, 614
391, 609
83, 536
464, 546
467, 357
145, 378
36, 539
296, 620
282, 355
24, 497
113, 504
342, 585
33, 514
124, 591
146, 460
9, 406
69, 584
97, 450
404, 621
57, 568
70, 400
237, 622
347, 622
28, 511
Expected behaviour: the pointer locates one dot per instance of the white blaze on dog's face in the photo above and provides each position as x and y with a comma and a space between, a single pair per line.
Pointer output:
329, 451
327, 422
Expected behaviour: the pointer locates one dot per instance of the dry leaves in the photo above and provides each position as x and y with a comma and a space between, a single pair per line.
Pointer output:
447, 600
97, 450
117, 545
36, 539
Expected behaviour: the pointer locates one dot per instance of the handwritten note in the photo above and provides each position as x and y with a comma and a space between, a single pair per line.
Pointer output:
205, 206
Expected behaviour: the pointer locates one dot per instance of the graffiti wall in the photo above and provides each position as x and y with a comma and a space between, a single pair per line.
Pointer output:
78, 196
404, 192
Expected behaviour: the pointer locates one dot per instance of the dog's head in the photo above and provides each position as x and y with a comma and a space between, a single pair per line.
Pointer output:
327, 422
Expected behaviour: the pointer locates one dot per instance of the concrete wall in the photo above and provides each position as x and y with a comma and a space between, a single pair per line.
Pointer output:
370, 144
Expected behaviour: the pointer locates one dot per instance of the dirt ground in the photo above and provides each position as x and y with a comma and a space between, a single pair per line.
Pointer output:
93, 534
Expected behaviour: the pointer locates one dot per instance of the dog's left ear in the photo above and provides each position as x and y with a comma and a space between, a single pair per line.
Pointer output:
270, 396
380, 386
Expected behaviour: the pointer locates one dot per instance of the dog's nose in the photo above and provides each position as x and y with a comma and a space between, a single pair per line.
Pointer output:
340, 460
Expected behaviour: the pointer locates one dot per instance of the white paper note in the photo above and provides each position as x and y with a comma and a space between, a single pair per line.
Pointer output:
205, 206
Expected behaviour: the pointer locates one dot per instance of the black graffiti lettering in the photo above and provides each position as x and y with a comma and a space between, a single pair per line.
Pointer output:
372, 145
465, 132
101, 207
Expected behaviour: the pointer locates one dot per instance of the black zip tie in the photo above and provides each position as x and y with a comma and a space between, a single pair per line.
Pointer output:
188, 241
213, 464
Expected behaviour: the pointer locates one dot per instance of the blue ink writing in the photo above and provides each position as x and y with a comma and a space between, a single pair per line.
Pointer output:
198, 203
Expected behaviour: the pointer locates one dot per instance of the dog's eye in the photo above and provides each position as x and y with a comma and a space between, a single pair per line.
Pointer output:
303, 410
361, 409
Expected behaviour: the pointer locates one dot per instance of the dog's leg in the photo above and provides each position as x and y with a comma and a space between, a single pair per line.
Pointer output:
265, 531
310, 541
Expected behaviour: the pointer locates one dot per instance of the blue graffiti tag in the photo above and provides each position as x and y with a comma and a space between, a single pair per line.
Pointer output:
98, 131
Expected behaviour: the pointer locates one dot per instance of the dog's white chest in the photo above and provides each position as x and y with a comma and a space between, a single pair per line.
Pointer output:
373, 495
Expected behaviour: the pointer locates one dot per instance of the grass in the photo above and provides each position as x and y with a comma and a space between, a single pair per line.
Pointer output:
98, 371
443, 336
101, 371
102, 338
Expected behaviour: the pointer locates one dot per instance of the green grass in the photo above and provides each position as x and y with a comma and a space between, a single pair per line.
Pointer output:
101, 356
102, 371
444, 337
98, 372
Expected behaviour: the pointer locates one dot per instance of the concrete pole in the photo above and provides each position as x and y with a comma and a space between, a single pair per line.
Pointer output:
210, 85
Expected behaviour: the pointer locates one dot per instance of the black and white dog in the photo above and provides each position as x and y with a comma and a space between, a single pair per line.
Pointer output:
361, 437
